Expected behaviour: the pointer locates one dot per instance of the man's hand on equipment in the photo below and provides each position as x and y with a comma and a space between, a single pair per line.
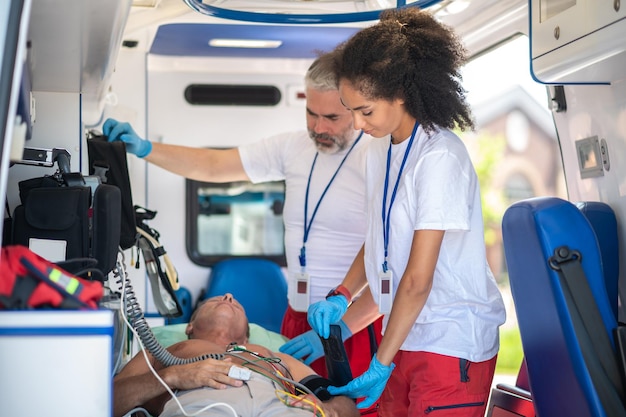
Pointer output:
369, 385
115, 130
326, 312
308, 347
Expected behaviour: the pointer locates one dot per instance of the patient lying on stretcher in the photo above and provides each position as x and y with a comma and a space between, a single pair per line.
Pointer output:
270, 383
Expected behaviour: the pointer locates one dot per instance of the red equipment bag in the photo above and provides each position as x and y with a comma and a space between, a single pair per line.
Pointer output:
28, 281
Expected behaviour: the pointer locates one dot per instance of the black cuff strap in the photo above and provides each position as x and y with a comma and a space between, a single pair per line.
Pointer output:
318, 385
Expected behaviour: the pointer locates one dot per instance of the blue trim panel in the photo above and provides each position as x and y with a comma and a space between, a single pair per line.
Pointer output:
192, 39
56, 331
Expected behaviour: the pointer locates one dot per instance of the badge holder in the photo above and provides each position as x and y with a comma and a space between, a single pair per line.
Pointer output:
385, 293
301, 291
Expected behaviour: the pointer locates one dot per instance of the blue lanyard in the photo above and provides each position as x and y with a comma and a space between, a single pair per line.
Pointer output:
387, 212
307, 228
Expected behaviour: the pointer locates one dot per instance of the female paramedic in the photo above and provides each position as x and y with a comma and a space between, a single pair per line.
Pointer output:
424, 254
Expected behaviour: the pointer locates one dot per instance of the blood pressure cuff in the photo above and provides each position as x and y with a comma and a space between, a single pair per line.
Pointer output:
318, 386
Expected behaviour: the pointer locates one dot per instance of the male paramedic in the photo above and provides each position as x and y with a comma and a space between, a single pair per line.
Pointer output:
324, 212
260, 382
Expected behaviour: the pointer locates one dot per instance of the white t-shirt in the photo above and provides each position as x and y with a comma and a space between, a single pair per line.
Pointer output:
338, 229
438, 190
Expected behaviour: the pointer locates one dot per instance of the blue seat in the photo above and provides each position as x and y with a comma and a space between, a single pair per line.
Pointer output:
561, 382
258, 284
602, 218
184, 300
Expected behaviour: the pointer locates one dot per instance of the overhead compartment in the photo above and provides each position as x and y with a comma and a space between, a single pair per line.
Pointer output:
74, 46
577, 41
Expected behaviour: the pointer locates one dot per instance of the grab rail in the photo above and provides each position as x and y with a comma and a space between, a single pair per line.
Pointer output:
283, 18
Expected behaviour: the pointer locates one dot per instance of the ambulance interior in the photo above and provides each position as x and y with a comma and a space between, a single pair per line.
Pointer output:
68, 65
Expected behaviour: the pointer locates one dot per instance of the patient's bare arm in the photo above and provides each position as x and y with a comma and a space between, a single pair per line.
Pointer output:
136, 386
340, 407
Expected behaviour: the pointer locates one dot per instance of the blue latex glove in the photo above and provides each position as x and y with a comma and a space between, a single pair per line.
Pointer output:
369, 385
308, 346
115, 130
326, 312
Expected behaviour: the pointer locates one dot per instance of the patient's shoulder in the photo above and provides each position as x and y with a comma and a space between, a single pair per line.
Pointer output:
194, 347
260, 350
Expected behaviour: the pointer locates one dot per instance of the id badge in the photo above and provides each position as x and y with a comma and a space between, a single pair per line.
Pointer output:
300, 300
385, 292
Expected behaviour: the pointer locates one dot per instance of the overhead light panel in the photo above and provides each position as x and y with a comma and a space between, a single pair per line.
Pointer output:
146, 3
244, 43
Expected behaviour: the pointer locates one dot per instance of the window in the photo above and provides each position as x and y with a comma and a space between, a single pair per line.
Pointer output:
237, 219
232, 95
517, 187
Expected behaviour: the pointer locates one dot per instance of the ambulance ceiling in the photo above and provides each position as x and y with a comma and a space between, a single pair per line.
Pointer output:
275, 28
479, 22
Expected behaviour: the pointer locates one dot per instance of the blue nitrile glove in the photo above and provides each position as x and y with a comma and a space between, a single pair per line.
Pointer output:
369, 385
326, 312
115, 130
308, 346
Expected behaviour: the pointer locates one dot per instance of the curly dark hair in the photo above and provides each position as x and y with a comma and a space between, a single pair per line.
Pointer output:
411, 56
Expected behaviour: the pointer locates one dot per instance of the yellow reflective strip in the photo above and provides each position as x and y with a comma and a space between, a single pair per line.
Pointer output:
69, 284
72, 286
55, 275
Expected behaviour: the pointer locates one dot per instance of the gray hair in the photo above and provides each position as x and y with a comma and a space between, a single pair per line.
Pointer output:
321, 74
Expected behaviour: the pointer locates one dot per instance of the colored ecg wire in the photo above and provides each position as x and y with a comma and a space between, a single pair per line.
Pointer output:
289, 396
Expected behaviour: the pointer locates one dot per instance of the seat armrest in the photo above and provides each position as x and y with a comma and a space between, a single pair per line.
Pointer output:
514, 391
510, 401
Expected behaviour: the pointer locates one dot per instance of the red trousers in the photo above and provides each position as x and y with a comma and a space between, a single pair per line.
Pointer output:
428, 384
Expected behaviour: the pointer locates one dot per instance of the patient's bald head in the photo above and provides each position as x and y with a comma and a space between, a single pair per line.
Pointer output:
220, 320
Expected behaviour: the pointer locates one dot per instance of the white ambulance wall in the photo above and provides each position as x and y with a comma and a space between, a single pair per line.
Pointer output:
57, 125
598, 111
